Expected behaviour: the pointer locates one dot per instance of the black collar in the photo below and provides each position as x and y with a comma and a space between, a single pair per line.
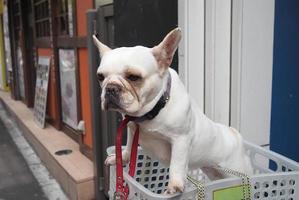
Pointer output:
158, 107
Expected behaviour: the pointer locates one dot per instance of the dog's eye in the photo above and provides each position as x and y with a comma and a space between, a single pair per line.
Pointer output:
101, 77
133, 77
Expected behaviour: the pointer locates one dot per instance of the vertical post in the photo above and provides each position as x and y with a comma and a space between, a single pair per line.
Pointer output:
217, 60
93, 61
236, 63
55, 64
191, 48
26, 43
14, 72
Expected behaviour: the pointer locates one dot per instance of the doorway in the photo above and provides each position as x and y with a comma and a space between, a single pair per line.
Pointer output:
22, 46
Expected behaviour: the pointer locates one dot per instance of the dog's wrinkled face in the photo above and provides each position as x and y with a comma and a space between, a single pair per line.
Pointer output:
132, 77
129, 79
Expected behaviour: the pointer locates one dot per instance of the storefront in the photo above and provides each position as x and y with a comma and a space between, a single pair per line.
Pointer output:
53, 29
3, 38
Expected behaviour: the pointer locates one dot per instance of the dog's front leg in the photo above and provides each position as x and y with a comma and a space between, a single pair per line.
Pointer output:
178, 164
111, 159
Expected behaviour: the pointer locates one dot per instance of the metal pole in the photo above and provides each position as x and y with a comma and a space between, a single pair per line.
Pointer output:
93, 60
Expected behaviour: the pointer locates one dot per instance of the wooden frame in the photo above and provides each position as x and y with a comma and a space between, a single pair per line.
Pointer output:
16, 91
27, 54
13, 73
43, 42
66, 42
54, 42
86, 150
74, 134
58, 15
73, 42
41, 20
54, 66
62, 42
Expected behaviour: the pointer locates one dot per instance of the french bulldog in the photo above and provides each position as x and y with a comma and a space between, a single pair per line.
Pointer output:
138, 82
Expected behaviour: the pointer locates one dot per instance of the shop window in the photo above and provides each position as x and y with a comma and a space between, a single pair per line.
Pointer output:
68, 85
19, 68
42, 18
16, 18
65, 18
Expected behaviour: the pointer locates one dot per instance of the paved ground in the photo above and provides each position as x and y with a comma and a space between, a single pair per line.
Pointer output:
17, 181
22, 174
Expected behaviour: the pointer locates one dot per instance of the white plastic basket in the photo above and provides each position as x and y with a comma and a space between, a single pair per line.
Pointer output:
151, 178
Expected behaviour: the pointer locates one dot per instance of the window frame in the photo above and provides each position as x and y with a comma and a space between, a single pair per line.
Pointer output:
56, 42
38, 20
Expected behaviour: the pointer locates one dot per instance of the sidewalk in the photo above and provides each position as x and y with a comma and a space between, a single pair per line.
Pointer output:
74, 172
17, 181
22, 174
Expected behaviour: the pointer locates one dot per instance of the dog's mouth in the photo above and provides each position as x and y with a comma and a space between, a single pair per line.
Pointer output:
118, 98
112, 103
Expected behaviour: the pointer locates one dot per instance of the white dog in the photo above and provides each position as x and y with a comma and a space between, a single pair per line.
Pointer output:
138, 82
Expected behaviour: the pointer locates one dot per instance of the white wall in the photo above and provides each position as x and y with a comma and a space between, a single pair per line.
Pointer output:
254, 43
225, 61
191, 48
217, 59
204, 54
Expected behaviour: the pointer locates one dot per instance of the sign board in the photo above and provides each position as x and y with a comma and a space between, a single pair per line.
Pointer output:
41, 90
239, 192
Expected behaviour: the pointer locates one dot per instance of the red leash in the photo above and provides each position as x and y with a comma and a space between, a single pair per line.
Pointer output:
121, 190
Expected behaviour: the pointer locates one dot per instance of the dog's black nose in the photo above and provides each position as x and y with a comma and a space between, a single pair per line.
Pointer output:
113, 90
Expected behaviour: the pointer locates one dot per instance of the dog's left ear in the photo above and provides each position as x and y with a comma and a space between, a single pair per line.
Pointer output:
165, 50
101, 47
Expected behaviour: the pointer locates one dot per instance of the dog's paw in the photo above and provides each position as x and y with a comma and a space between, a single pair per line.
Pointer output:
111, 159
174, 186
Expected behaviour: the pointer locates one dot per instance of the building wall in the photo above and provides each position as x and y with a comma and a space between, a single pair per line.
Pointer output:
82, 7
59, 38
225, 61
256, 57
52, 105
3, 80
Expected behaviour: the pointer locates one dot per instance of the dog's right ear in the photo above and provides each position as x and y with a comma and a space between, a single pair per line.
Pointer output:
101, 47
165, 50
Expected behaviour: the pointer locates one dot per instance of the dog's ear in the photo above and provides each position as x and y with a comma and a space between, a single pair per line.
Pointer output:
165, 50
101, 47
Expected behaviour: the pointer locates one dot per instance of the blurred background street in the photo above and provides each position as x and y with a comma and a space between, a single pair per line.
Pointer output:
22, 178
237, 59
17, 181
